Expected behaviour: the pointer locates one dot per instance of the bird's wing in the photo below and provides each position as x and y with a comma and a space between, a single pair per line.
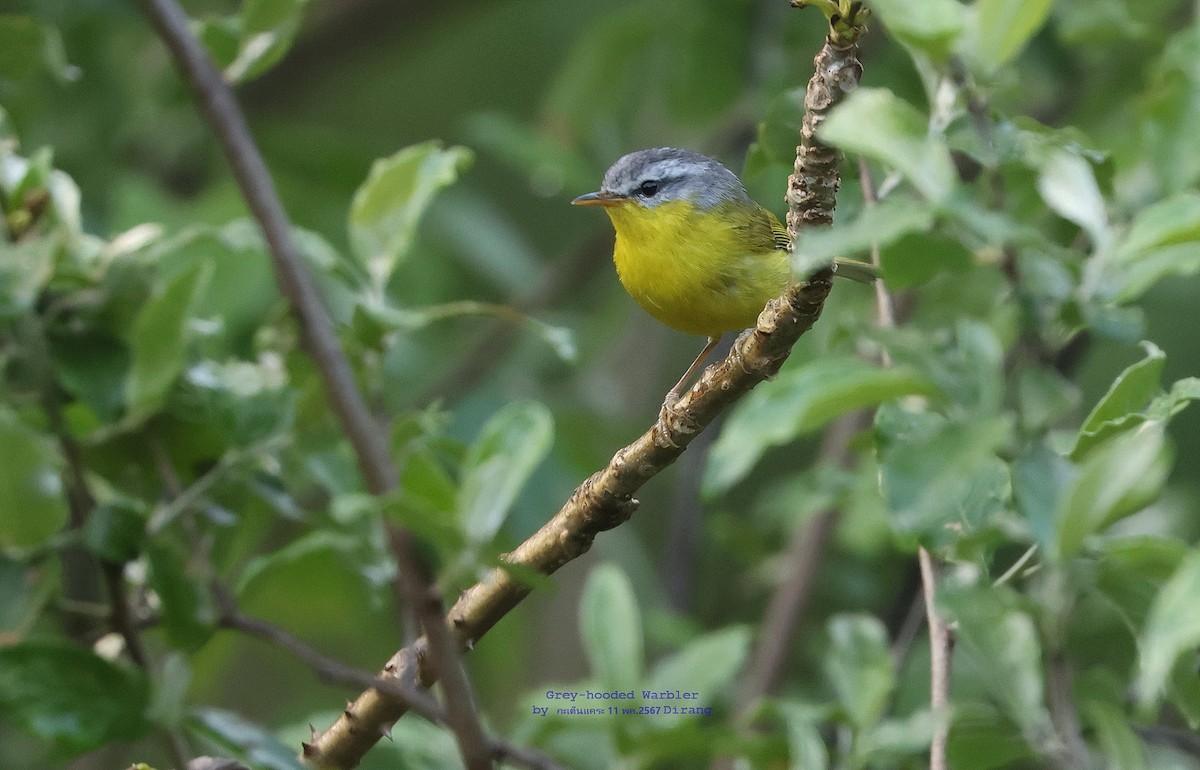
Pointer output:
861, 272
779, 234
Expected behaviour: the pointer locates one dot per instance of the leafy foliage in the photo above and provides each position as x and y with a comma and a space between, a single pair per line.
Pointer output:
1033, 168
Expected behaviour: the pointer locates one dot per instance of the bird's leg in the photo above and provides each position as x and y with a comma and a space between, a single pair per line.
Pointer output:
674, 393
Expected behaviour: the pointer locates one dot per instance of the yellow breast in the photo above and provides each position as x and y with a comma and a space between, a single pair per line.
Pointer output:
699, 271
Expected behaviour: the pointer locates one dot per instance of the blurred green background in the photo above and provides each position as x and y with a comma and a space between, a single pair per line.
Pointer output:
545, 95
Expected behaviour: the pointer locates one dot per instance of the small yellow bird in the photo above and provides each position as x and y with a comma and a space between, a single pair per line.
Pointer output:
693, 249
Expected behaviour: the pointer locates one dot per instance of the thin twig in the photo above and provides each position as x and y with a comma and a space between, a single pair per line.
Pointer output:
941, 638
1073, 751
296, 282
460, 708
121, 618
602, 502
335, 672
483, 355
811, 198
1012, 571
909, 628
606, 499
941, 642
885, 309
184, 498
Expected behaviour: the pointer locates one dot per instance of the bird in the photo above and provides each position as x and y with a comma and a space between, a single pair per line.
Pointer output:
692, 247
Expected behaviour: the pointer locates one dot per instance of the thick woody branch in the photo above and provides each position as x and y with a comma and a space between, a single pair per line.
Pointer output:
296, 282
813, 185
606, 499
602, 502
460, 712
811, 198
335, 672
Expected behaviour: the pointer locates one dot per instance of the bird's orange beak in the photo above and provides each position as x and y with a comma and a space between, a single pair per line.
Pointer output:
598, 199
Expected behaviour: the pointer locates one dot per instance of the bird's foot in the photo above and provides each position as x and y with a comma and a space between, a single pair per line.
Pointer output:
668, 419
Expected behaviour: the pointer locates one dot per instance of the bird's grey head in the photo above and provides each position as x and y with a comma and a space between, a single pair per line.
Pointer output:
657, 176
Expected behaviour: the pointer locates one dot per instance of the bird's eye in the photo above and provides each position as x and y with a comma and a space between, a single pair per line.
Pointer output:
648, 188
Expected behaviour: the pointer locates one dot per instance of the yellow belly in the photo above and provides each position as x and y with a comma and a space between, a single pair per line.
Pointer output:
701, 272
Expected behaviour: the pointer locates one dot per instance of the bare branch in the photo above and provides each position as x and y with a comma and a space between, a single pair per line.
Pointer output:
600, 503
1064, 715
941, 638
811, 198
296, 282
941, 643
217, 102
335, 672
460, 708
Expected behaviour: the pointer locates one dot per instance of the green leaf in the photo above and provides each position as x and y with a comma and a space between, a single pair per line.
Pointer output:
1001, 28
116, 531
612, 628
168, 704
25, 268
1137, 275
966, 367
1163, 240
384, 317
982, 739
1128, 395
1045, 397
27, 47
801, 400
246, 402
425, 502
877, 123
1170, 222
25, 588
1118, 742
1003, 643
70, 696
32, 501
157, 340
1132, 570
880, 225
92, 366
1118, 477
941, 479
806, 748
706, 666
917, 257
317, 544
859, 666
244, 740
256, 39
896, 739
1172, 629
1068, 185
241, 292
1097, 22
1171, 403
187, 613
388, 206
1183, 690
1040, 477
930, 26
508, 450
775, 143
